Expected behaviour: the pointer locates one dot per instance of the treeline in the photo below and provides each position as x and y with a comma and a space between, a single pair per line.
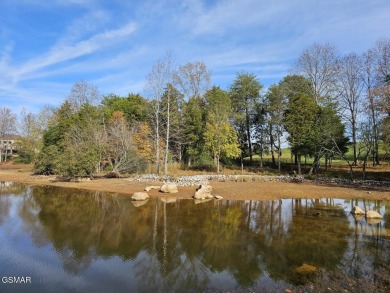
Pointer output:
330, 103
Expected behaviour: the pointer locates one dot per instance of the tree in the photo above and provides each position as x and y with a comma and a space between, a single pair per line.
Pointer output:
193, 79
143, 141
7, 127
349, 87
299, 121
157, 80
134, 107
172, 117
318, 64
328, 132
194, 126
245, 93
261, 130
373, 110
30, 141
82, 93
220, 137
53, 141
382, 54
382, 89
276, 105
119, 148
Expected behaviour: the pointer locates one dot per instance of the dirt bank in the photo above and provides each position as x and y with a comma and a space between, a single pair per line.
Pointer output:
228, 189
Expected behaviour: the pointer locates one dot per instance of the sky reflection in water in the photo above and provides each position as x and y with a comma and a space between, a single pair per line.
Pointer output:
76, 241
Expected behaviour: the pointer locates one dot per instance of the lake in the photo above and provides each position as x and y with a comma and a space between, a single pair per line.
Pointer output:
68, 240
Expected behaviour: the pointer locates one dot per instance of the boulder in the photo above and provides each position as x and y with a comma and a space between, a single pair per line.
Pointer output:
373, 215
139, 196
305, 269
203, 192
169, 188
149, 188
357, 211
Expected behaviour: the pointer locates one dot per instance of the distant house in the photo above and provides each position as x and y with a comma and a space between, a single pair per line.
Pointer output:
8, 143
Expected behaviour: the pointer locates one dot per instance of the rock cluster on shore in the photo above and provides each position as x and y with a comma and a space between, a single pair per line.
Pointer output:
204, 179
203, 192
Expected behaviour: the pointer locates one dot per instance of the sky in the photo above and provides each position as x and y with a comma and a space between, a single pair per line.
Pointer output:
48, 45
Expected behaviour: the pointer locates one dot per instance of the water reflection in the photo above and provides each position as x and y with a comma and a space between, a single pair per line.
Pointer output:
107, 243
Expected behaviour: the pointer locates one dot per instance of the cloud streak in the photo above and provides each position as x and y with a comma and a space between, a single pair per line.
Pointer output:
114, 45
62, 53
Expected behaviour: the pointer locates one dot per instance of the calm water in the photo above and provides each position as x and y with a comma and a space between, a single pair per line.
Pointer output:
74, 241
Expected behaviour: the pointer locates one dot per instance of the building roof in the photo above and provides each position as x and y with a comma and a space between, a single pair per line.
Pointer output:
10, 137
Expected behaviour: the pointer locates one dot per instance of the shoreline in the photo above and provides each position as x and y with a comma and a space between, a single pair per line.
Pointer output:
229, 190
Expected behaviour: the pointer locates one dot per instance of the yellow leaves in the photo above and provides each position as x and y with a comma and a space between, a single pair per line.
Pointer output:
142, 141
221, 139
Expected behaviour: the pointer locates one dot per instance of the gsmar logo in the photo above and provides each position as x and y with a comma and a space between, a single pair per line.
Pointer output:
16, 280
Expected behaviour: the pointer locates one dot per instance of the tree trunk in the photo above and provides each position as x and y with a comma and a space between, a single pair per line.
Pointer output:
248, 133
5, 153
326, 162
299, 164
167, 139
158, 139
354, 141
279, 152
271, 139
261, 157
364, 168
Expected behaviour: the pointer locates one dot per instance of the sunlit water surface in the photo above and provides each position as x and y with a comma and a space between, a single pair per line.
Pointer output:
75, 241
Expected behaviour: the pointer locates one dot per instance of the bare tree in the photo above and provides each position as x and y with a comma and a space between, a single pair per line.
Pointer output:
118, 142
368, 75
193, 79
318, 64
30, 130
349, 87
382, 52
83, 93
156, 82
367, 143
7, 127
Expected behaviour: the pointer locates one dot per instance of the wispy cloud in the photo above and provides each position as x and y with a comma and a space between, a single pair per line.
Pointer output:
65, 52
114, 44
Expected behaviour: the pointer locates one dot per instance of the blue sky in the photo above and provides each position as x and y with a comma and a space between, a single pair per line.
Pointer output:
48, 45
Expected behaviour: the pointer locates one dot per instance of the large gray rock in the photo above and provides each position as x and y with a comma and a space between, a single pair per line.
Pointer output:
169, 188
357, 211
149, 188
373, 215
140, 196
203, 192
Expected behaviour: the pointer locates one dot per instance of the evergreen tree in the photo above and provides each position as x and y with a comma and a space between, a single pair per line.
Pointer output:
220, 137
245, 93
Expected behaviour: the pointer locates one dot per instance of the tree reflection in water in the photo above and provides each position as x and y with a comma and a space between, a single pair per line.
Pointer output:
184, 247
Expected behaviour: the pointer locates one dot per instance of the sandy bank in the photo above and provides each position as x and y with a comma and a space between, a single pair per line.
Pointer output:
228, 189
